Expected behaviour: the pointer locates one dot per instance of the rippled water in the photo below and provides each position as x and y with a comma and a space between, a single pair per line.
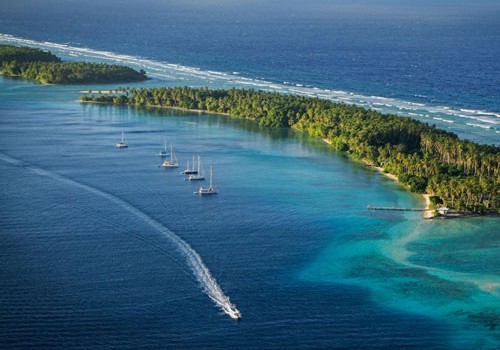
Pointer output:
288, 239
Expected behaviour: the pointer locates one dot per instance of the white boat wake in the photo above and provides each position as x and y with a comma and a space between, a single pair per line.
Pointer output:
200, 271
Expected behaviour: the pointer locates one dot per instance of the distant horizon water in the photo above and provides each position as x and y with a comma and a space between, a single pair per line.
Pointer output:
469, 123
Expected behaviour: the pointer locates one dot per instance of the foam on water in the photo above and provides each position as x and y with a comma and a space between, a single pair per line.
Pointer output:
198, 77
200, 270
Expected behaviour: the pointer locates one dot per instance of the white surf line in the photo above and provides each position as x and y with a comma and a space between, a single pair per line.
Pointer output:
201, 272
177, 72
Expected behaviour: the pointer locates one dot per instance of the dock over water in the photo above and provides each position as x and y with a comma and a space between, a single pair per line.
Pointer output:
371, 207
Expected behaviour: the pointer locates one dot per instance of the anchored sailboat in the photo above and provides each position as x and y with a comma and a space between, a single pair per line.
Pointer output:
163, 152
200, 173
121, 144
189, 170
210, 189
172, 162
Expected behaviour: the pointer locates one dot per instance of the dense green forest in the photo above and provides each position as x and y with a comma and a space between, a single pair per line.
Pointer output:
462, 174
44, 67
9, 53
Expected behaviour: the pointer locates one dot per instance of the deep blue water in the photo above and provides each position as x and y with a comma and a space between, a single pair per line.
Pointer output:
449, 58
87, 259
427, 58
288, 238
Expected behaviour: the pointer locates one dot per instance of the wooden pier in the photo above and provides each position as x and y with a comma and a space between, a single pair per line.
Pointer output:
371, 207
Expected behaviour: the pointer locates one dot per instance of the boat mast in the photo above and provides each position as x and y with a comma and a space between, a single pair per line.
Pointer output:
210, 176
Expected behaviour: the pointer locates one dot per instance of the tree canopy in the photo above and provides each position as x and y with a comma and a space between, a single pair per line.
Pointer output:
9, 53
465, 175
44, 67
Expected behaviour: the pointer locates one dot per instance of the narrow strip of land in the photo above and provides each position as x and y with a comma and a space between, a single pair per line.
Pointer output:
45, 67
459, 174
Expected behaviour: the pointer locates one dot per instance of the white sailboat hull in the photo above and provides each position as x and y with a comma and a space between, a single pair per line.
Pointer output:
206, 191
172, 162
170, 165
121, 144
210, 190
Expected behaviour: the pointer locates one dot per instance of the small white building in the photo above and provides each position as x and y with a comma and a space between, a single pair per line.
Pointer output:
443, 210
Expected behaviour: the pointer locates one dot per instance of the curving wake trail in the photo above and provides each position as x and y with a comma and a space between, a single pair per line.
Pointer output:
201, 272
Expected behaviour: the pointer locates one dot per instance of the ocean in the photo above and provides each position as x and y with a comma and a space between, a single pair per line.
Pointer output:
103, 248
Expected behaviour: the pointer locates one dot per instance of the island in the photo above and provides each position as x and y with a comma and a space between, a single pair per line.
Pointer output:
47, 68
459, 174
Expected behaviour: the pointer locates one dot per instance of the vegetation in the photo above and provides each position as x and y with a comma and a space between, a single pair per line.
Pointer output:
461, 174
9, 53
47, 68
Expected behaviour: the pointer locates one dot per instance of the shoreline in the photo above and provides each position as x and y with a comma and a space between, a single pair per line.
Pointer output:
428, 212
199, 111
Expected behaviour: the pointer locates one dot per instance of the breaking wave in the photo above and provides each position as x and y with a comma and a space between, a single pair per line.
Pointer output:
456, 119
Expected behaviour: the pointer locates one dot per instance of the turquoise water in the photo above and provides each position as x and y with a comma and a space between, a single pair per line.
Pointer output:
87, 260
443, 269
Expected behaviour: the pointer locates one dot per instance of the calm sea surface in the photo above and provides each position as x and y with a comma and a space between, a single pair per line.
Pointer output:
288, 238
90, 235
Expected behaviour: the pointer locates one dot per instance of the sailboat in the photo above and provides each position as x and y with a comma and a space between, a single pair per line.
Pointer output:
172, 162
200, 174
121, 144
189, 170
163, 152
210, 189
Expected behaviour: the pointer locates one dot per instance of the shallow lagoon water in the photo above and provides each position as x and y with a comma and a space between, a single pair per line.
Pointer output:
443, 269
288, 238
